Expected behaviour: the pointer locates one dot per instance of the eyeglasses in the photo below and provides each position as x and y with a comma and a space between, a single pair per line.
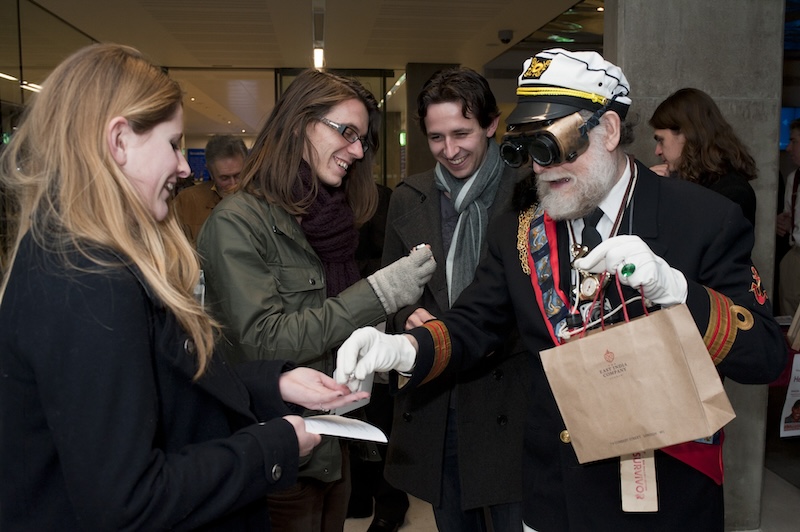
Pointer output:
349, 134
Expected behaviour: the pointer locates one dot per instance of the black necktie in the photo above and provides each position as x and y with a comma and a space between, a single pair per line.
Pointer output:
590, 237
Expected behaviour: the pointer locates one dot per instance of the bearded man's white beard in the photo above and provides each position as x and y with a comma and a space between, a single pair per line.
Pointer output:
587, 191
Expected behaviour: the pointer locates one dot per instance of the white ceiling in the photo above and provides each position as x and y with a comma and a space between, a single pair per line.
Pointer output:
223, 51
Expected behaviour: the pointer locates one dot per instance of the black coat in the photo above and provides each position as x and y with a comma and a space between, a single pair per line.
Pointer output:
103, 427
700, 233
736, 188
491, 397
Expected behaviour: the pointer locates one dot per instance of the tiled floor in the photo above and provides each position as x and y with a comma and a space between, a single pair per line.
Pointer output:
778, 510
418, 519
779, 504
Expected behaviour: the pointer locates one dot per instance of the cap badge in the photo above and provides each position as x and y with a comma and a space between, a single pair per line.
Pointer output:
537, 68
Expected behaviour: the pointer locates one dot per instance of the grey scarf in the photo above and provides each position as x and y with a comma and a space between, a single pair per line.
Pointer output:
471, 199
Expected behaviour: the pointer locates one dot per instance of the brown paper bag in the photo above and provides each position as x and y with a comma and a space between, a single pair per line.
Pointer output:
640, 385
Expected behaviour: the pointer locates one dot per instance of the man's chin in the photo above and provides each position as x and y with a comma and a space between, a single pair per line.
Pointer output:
559, 210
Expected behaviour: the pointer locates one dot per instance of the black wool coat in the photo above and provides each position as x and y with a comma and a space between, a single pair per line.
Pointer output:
102, 426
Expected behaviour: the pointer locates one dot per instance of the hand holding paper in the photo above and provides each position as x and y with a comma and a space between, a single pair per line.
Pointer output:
636, 266
306, 439
367, 350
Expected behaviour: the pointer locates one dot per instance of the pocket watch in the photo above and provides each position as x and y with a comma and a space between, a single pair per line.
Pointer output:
589, 286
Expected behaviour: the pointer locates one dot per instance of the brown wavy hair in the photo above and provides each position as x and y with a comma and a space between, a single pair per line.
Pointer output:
271, 170
712, 149
66, 190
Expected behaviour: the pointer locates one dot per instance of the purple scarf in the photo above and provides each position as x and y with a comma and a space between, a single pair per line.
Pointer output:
329, 226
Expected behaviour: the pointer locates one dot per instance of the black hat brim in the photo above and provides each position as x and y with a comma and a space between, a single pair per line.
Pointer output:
538, 111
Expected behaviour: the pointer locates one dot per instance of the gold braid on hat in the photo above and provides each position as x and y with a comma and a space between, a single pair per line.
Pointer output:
558, 91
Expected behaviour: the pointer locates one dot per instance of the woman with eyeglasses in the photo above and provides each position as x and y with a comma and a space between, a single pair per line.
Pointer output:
279, 260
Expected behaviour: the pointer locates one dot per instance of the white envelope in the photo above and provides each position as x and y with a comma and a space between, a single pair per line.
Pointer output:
344, 427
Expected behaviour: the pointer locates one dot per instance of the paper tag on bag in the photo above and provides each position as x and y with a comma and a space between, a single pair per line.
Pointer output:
638, 477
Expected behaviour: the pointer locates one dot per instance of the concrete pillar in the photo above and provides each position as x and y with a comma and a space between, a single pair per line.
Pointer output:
418, 155
733, 51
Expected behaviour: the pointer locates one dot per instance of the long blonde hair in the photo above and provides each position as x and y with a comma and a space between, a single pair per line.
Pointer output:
63, 185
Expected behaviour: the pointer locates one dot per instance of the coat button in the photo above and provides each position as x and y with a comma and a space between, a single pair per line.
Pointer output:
276, 472
498, 374
564, 436
312, 282
407, 416
188, 346
502, 420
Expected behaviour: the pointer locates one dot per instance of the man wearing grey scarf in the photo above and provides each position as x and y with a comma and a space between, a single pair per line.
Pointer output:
471, 199
457, 443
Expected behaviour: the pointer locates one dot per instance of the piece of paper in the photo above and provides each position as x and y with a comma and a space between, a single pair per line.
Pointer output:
637, 473
793, 334
790, 415
363, 386
344, 427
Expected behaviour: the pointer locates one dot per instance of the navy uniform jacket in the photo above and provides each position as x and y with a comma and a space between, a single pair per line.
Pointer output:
102, 426
696, 231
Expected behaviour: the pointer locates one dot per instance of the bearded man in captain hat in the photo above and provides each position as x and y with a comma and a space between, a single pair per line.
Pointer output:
669, 239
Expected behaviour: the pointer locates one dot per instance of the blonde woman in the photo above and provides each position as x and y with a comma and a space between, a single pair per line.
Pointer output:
114, 413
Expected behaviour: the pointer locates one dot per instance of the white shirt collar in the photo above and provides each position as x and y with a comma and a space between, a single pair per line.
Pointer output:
612, 202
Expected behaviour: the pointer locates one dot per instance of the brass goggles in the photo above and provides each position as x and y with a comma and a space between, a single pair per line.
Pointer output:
552, 142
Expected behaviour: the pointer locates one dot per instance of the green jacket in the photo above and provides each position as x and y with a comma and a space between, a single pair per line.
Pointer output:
266, 286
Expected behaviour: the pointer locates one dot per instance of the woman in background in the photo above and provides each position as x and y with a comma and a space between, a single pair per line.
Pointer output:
114, 413
696, 143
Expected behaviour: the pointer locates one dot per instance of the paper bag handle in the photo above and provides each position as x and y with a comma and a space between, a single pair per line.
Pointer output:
622, 302
622, 299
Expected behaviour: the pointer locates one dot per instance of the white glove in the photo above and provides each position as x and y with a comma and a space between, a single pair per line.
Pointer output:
402, 282
368, 350
660, 283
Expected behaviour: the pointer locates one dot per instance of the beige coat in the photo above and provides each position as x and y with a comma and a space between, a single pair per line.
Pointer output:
193, 205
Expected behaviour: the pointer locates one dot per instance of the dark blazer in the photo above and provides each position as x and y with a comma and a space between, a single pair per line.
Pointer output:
103, 426
490, 398
696, 231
